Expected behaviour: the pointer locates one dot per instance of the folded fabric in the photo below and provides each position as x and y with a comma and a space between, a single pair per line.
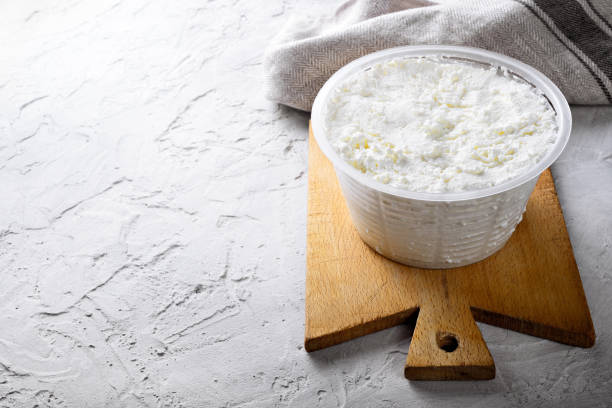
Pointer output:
569, 41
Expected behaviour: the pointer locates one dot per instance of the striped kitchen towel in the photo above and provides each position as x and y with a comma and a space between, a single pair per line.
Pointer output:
570, 41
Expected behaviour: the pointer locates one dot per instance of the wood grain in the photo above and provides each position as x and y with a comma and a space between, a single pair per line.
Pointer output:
532, 286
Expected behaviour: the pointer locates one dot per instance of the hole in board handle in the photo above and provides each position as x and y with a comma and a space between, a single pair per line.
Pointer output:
447, 342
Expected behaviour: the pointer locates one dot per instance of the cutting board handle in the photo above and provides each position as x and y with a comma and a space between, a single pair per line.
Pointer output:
447, 344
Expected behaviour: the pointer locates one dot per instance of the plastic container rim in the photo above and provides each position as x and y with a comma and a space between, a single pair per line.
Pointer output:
526, 72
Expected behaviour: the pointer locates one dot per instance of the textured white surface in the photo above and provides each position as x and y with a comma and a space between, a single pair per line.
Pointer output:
152, 227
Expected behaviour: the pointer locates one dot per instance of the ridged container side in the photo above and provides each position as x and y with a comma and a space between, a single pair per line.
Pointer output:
437, 234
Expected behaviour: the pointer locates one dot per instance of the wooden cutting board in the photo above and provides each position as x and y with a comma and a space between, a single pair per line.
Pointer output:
532, 286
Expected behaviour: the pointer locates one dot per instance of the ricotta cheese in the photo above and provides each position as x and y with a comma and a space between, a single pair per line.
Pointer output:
436, 124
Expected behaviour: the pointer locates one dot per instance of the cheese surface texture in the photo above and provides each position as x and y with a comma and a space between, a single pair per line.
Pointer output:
435, 124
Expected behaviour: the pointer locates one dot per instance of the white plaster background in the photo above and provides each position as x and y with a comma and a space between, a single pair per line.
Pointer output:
152, 226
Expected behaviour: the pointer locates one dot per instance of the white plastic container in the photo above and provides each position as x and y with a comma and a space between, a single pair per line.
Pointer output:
438, 230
